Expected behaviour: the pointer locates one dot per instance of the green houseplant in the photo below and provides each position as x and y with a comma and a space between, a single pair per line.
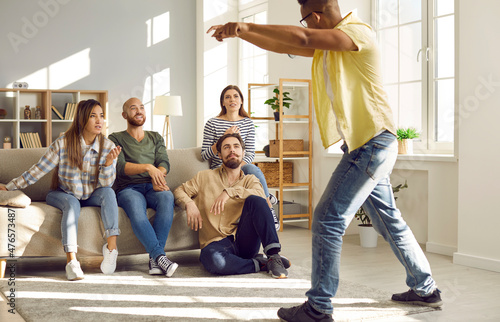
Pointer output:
367, 233
274, 102
405, 137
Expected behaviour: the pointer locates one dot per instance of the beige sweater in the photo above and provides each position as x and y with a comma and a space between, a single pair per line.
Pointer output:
204, 188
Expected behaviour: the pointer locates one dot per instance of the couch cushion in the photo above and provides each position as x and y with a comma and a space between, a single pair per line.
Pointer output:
38, 232
184, 165
15, 161
14, 199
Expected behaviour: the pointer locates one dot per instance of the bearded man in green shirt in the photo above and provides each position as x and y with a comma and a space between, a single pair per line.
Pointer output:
140, 184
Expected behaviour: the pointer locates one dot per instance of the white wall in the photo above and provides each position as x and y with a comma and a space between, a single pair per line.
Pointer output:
479, 98
110, 40
217, 62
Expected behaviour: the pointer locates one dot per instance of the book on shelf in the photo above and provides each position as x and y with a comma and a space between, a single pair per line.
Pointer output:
73, 110
22, 137
57, 113
70, 111
65, 113
30, 140
38, 141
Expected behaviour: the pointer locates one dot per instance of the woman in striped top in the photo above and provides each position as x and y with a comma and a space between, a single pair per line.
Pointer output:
234, 119
85, 169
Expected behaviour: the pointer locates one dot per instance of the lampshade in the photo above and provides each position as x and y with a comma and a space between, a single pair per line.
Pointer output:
168, 105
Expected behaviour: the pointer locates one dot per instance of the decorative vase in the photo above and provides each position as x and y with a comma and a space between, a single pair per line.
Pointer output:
27, 113
368, 236
38, 113
277, 116
405, 146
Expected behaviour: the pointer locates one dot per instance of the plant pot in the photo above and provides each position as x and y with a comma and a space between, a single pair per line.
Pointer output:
405, 146
367, 236
277, 116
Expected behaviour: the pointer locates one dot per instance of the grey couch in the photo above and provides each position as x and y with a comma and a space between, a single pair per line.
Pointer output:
37, 230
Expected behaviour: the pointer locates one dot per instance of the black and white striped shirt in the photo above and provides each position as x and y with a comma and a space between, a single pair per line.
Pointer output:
215, 128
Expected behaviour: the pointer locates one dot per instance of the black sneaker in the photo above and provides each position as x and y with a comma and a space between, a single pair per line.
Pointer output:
154, 269
275, 267
410, 297
166, 265
302, 313
262, 259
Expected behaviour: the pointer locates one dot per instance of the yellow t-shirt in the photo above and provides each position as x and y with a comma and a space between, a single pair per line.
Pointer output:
349, 98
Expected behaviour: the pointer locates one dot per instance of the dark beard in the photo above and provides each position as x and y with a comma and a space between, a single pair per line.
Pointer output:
231, 163
133, 122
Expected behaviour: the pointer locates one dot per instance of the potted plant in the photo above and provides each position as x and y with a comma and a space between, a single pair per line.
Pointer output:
367, 234
405, 137
274, 103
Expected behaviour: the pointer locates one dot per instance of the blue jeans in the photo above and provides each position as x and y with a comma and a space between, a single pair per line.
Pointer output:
234, 255
103, 197
362, 178
135, 199
255, 170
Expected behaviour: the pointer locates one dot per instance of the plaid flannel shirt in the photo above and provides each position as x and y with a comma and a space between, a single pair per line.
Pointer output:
74, 181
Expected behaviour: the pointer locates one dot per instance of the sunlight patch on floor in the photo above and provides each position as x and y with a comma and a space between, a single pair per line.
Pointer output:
288, 283
223, 313
153, 298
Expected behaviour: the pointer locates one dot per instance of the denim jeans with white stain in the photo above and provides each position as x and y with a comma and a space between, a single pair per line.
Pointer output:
135, 199
362, 178
70, 206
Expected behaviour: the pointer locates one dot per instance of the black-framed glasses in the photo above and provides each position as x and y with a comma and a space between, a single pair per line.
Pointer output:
303, 21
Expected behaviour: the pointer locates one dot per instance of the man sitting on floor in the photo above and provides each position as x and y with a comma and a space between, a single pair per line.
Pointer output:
232, 216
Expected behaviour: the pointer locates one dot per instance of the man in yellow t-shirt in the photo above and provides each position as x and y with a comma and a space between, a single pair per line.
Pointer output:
350, 105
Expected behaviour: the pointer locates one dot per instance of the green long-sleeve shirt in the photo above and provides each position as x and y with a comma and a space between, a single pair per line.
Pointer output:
151, 150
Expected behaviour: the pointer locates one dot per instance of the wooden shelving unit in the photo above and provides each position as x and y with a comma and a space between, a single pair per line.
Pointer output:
49, 126
301, 116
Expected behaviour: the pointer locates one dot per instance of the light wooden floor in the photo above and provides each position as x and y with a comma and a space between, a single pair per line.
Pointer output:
469, 294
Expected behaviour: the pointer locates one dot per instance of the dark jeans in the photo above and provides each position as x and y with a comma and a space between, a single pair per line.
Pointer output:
234, 255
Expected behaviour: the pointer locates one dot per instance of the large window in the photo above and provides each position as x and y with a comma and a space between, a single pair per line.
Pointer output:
253, 60
416, 39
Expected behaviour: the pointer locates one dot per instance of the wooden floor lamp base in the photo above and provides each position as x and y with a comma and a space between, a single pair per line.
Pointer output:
167, 133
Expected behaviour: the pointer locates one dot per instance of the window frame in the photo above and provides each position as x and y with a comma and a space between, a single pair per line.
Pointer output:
250, 9
427, 143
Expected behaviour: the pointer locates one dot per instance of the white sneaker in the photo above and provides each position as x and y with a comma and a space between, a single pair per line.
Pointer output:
273, 199
108, 264
167, 266
74, 271
275, 218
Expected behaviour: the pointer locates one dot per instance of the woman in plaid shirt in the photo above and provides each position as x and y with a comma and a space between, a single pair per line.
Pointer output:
85, 169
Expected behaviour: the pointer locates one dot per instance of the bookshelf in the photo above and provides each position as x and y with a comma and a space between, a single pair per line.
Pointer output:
295, 123
49, 126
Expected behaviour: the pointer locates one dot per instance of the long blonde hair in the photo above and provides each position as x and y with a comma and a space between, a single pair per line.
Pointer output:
73, 138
